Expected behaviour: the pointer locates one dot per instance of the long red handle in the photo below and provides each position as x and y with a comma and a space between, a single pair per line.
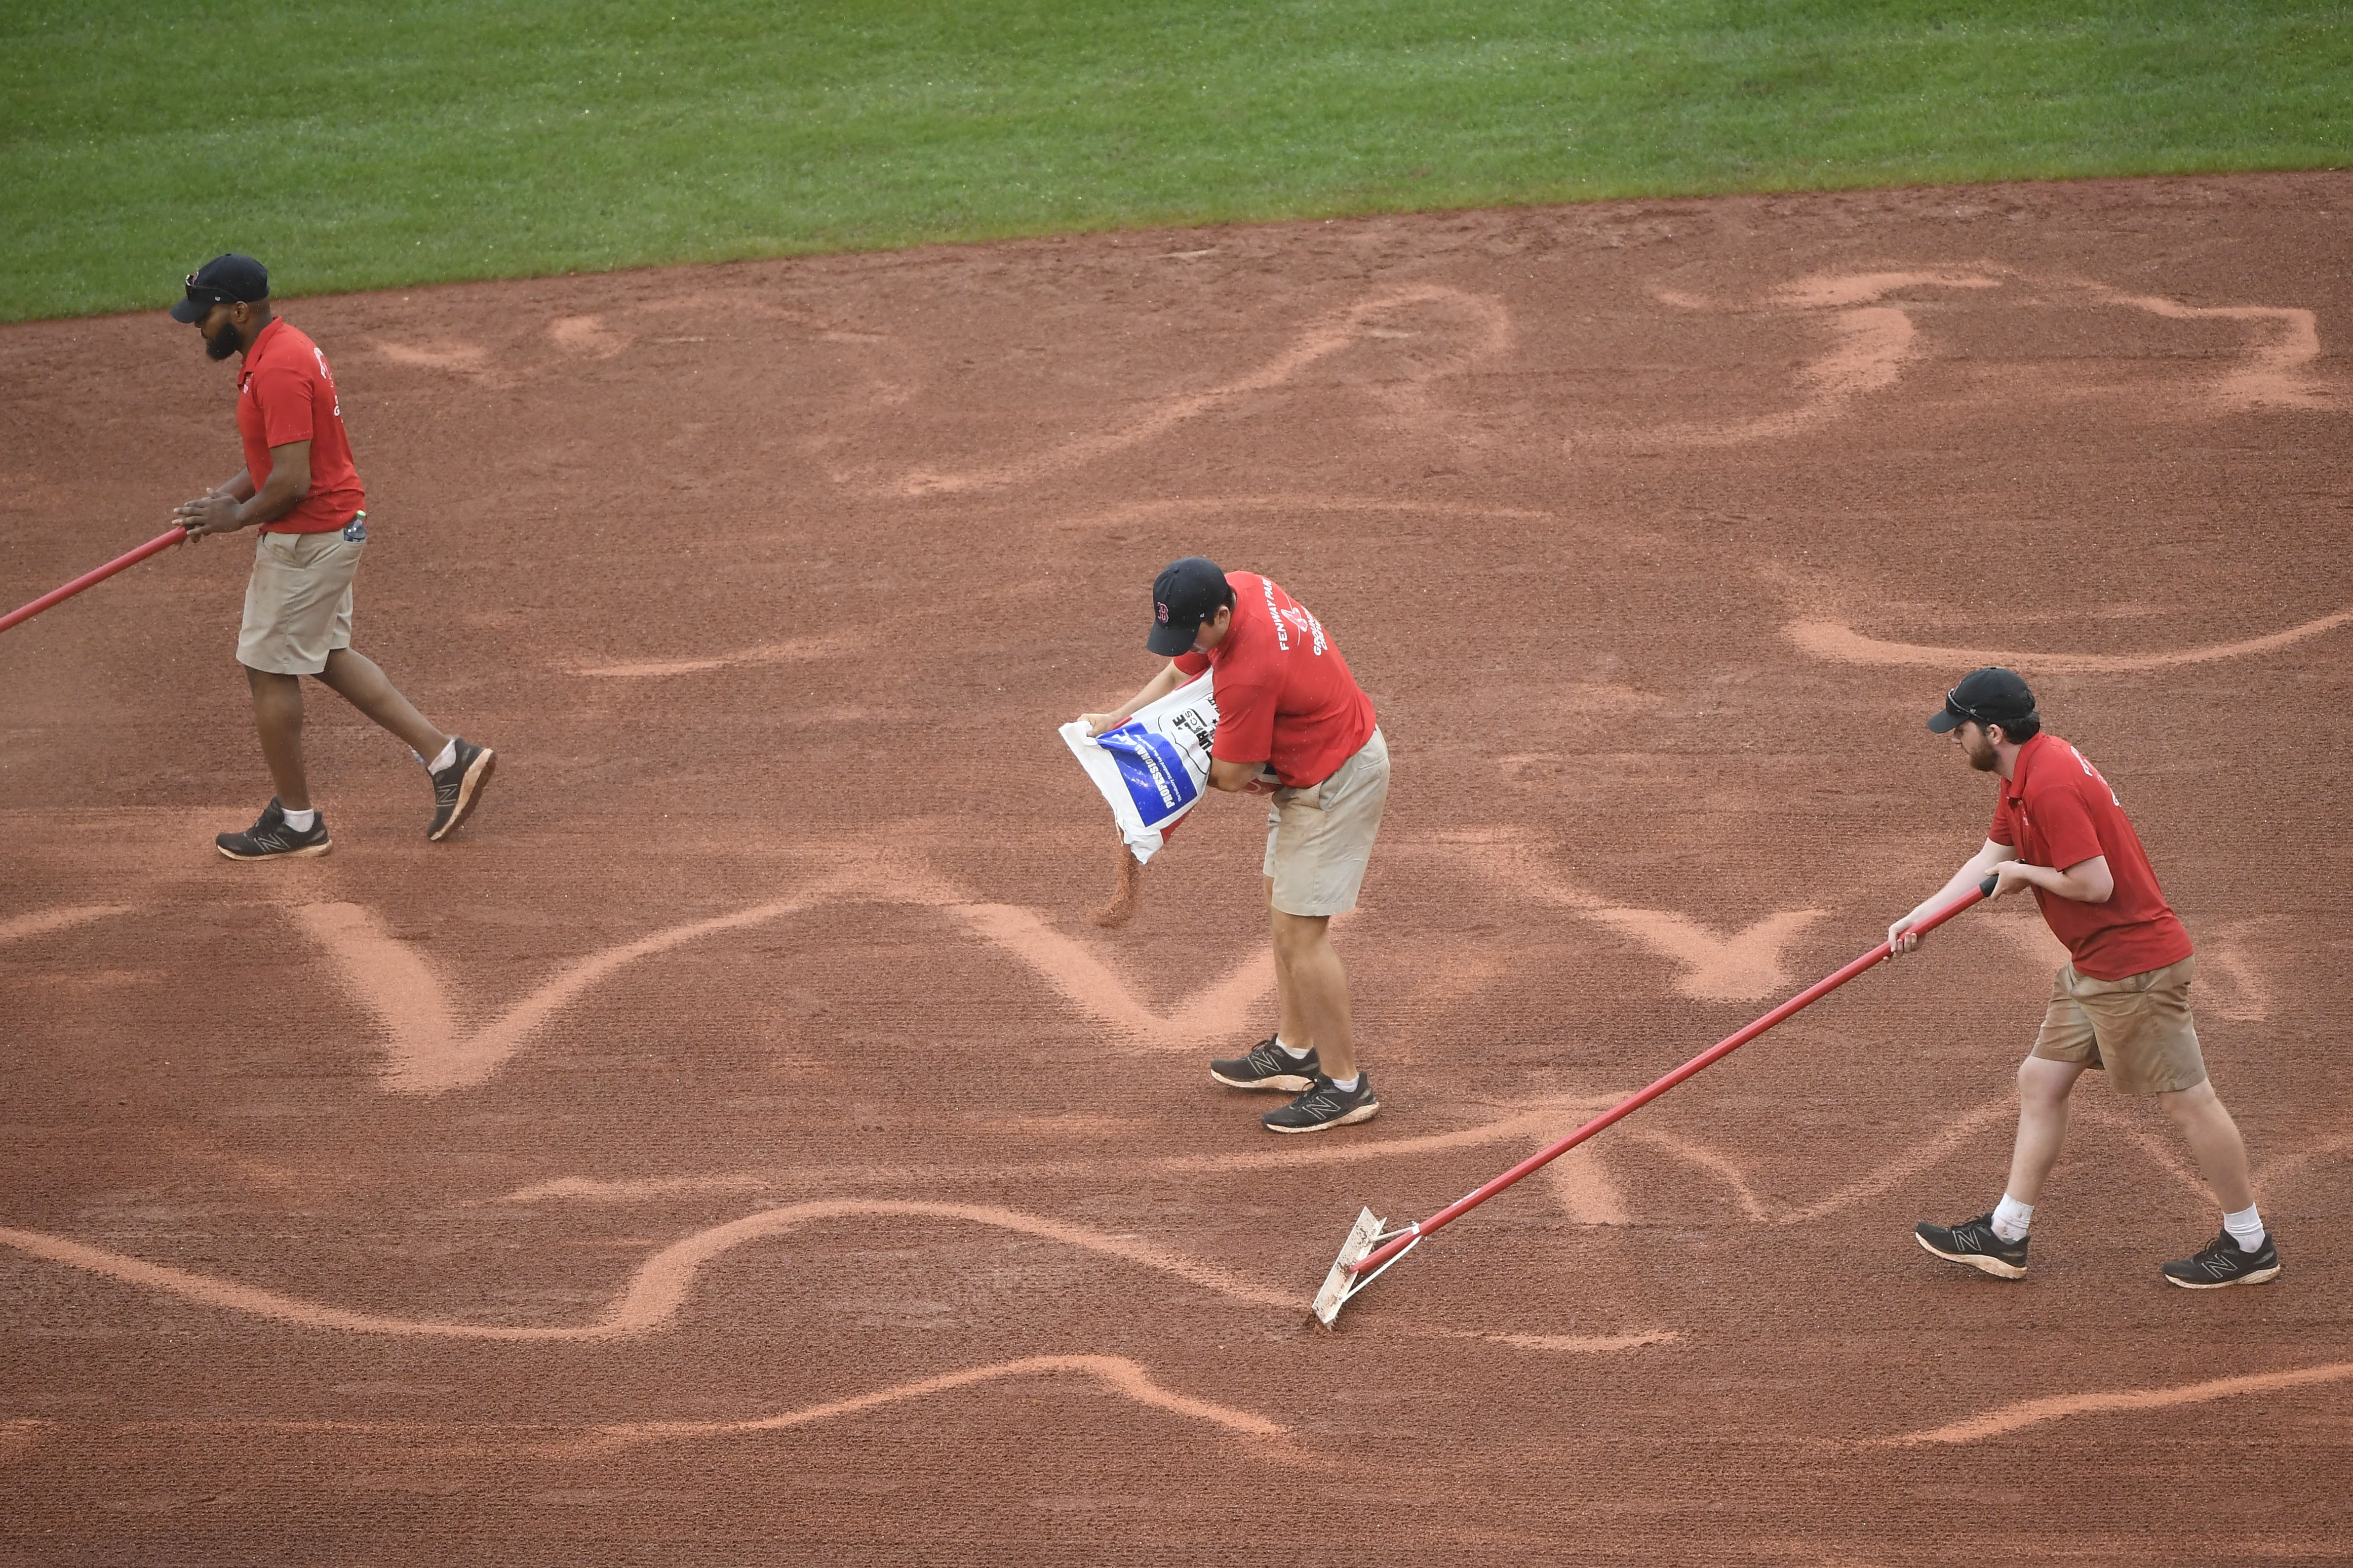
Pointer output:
164, 541
1700, 1063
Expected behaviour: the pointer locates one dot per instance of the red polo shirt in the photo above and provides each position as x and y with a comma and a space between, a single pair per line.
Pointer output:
1284, 694
2056, 810
285, 392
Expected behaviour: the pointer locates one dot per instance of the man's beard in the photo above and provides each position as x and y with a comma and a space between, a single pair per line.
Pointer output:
225, 343
1985, 761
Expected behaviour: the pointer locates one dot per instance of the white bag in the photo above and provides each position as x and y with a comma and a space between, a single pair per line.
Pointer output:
1153, 768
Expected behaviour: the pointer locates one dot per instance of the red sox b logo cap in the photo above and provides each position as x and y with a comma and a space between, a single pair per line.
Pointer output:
1187, 593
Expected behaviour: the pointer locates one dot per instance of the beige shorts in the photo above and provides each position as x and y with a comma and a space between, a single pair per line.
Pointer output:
298, 603
2138, 1028
1319, 837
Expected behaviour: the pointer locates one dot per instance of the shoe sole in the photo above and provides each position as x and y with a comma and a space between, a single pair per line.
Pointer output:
1993, 1266
1289, 1083
2257, 1277
1365, 1112
321, 847
470, 791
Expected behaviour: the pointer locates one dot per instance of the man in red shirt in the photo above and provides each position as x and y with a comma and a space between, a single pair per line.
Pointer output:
2121, 1005
1292, 723
299, 487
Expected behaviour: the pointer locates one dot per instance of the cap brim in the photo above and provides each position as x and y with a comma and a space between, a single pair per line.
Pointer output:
1944, 721
1172, 639
191, 311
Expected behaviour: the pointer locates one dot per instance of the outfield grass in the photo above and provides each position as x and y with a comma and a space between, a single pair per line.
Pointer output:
359, 145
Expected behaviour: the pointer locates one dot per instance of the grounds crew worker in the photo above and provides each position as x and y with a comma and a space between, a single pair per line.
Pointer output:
2122, 1004
298, 485
1287, 706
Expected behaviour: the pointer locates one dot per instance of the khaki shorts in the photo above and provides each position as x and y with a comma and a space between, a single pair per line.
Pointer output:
1319, 836
298, 603
2138, 1028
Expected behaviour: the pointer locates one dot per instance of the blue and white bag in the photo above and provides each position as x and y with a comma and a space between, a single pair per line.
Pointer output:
1153, 768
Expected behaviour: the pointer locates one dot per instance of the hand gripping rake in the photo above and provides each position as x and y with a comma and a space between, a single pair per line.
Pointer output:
1370, 1248
164, 541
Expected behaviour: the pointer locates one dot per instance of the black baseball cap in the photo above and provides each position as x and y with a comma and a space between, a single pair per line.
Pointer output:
230, 279
1185, 593
1988, 696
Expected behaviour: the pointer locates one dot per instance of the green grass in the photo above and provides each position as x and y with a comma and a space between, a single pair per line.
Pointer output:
361, 145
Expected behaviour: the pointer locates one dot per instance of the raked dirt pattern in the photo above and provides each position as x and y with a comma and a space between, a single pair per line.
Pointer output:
738, 1145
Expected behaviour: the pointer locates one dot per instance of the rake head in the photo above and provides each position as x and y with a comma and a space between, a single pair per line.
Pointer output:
1344, 1281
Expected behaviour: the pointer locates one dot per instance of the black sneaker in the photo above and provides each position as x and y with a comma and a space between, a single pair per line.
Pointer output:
270, 836
1974, 1243
1267, 1066
458, 788
1324, 1105
2222, 1263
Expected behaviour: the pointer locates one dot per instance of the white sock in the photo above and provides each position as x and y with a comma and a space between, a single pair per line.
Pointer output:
299, 821
1348, 1085
1296, 1053
449, 754
2246, 1228
2012, 1218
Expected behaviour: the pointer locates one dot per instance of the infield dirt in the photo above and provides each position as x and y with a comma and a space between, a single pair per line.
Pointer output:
738, 1145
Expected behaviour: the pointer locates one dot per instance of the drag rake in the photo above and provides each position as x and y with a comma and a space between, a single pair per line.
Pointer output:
1371, 1248
164, 541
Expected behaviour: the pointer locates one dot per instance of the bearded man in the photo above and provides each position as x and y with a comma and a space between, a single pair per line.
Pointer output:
299, 488
2120, 1005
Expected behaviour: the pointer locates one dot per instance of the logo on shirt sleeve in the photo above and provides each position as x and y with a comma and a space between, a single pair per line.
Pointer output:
329, 377
1282, 637
2093, 774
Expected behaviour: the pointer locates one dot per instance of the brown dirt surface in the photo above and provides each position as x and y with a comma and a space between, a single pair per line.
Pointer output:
737, 1145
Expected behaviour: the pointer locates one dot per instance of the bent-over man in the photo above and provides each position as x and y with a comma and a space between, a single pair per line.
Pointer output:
1293, 723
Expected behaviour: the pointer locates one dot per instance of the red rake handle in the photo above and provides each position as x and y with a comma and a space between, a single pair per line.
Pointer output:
164, 541
1698, 1063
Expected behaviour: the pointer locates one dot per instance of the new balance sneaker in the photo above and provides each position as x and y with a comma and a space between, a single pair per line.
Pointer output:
458, 788
2222, 1263
1325, 1105
1974, 1243
1267, 1066
269, 837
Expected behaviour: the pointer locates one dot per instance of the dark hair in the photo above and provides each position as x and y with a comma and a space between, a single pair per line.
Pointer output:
2018, 732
